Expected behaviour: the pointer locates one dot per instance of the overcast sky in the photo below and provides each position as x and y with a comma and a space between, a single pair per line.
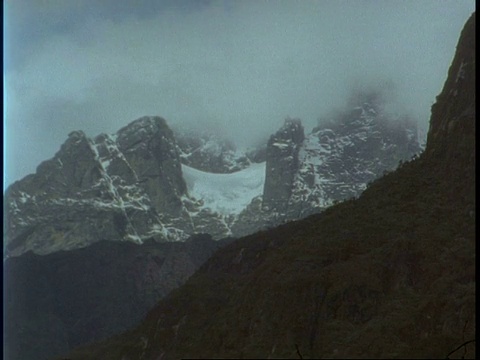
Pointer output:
239, 67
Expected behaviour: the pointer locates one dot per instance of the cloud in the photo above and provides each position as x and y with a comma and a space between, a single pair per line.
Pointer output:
237, 66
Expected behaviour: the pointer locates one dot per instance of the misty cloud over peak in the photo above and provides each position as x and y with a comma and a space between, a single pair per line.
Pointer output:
236, 67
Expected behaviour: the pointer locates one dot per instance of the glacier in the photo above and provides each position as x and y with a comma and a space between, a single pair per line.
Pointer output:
227, 194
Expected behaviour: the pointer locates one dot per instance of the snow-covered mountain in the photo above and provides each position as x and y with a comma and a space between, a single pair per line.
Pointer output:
147, 182
339, 159
334, 162
112, 187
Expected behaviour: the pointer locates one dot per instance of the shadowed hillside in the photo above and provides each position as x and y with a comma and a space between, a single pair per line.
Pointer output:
58, 301
388, 275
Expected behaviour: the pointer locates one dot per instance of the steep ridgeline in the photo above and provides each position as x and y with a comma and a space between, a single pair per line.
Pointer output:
454, 112
125, 186
307, 173
388, 275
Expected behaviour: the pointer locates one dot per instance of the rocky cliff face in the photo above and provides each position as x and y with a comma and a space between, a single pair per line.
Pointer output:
338, 160
113, 187
282, 165
305, 174
149, 147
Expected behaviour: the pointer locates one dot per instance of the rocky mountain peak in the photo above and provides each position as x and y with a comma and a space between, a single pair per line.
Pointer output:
112, 187
76, 134
149, 147
292, 130
282, 164
141, 131
307, 173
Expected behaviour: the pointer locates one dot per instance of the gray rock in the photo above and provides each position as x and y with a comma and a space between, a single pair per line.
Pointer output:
129, 186
282, 165
335, 162
124, 186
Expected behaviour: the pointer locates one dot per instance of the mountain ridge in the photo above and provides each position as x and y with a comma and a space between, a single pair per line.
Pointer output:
130, 186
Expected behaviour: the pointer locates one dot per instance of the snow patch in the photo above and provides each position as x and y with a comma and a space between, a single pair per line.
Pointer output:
227, 194
280, 145
24, 197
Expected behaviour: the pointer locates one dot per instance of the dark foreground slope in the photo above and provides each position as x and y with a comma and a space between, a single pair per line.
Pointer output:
390, 275
56, 302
